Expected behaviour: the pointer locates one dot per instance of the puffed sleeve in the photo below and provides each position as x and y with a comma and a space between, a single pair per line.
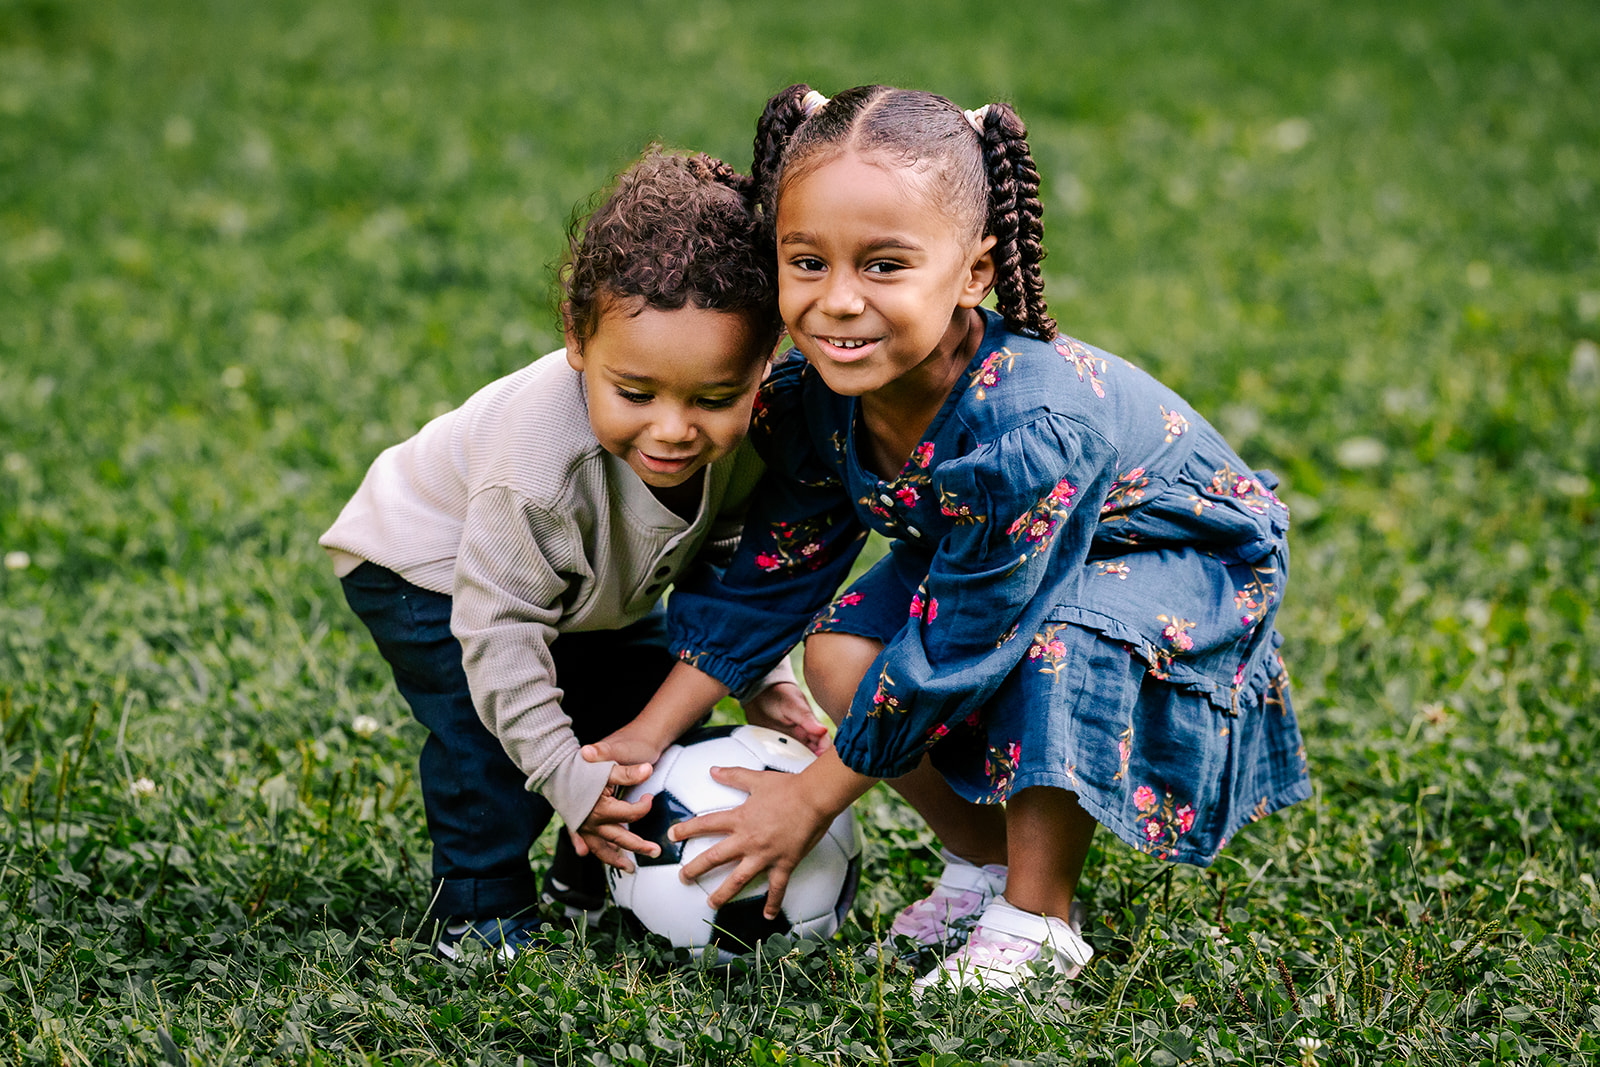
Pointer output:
800, 537
1028, 502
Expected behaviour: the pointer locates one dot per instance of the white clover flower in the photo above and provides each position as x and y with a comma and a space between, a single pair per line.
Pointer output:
18, 561
364, 725
141, 788
1308, 1044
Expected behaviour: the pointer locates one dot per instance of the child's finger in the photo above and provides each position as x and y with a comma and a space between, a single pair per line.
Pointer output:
740, 778
777, 884
742, 875
716, 822
611, 809
629, 774
579, 845
622, 837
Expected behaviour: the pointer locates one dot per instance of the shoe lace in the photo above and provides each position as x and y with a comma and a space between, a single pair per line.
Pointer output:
931, 918
990, 950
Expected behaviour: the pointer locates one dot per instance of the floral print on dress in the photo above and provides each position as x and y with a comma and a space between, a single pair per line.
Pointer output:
1113, 568
1124, 752
1160, 821
987, 376
1126, 491
1176, 632
1037, 526
951, 507
1252, 599
1048, 650
1177, 425
795, 546
1001, 766
1244, 490
826, 618
883, 701
921, 456
1088, 365
928, 610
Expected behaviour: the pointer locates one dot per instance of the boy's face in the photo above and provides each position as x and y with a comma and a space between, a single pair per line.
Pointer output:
669, 391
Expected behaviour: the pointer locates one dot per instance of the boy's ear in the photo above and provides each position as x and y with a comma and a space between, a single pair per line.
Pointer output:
980, 277
574, 345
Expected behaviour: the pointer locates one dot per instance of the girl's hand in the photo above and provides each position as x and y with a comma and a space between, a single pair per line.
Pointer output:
784, 708
772, 832
632, 745
605, 832
785, 816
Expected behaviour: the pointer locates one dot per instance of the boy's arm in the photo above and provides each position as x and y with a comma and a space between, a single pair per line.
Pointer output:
685, 697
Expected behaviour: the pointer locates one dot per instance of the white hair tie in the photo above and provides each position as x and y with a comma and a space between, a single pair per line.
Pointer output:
811, 102
975, 118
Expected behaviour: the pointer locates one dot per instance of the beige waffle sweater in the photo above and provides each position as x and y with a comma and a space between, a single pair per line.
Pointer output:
510, 506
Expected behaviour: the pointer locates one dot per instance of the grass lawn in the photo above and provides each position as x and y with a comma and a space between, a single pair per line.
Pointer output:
244, 247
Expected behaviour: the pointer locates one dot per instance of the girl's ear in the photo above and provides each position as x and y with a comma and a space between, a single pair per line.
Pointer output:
981, 275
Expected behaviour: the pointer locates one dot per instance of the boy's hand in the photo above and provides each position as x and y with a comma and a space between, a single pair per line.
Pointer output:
783, 707
772, 831
605, 832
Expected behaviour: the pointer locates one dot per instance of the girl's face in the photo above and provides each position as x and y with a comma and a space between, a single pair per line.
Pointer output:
874, 280
669, 391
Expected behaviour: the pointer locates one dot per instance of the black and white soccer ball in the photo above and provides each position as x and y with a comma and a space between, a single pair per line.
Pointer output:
821, 888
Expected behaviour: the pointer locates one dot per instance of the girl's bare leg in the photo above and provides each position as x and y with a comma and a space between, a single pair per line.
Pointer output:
1049, 835
835, 664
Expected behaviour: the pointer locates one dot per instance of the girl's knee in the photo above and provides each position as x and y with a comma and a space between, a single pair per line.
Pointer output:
835, 663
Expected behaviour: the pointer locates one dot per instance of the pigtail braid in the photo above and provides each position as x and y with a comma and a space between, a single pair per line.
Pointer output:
1016, 218
781, 117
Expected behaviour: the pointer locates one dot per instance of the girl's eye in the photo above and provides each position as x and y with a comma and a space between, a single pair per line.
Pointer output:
718, 403
634, 398
807, 263
885, 267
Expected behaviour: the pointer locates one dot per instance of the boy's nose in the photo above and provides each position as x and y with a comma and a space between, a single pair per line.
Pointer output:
674, 425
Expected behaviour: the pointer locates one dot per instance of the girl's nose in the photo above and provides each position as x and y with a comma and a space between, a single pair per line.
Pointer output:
842, 296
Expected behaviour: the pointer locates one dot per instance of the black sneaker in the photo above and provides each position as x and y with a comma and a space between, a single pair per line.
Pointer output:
575, 885
505, 937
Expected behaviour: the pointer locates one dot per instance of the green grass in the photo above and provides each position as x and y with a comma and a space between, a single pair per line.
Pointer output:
244, 247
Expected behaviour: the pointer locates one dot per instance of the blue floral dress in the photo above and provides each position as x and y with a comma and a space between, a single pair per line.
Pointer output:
1080, 592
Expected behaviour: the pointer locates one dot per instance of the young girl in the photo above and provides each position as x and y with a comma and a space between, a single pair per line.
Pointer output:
1076, 614
510, 558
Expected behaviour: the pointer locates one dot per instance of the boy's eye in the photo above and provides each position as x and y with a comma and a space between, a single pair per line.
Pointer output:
718, 403
885, 267
634, 398
807, 263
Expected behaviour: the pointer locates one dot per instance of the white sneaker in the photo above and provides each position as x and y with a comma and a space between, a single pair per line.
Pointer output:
944, 918
1006, 947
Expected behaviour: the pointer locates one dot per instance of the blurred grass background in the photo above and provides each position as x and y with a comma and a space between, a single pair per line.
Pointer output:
244, 247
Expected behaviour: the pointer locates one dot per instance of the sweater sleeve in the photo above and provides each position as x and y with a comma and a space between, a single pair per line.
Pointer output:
507, 601
1031, 500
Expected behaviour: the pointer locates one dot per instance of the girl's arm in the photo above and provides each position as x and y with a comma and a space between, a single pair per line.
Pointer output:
786, 816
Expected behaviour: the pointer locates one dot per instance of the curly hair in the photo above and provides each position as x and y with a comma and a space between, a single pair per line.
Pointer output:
674, 230
987, 182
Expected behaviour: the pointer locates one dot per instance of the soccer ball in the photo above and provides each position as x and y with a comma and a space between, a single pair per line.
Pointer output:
821, 888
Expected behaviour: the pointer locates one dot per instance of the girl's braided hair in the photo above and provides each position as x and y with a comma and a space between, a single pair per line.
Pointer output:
675, 230
986, 180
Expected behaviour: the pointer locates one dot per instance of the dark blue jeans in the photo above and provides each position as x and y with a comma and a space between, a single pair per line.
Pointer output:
481, 817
